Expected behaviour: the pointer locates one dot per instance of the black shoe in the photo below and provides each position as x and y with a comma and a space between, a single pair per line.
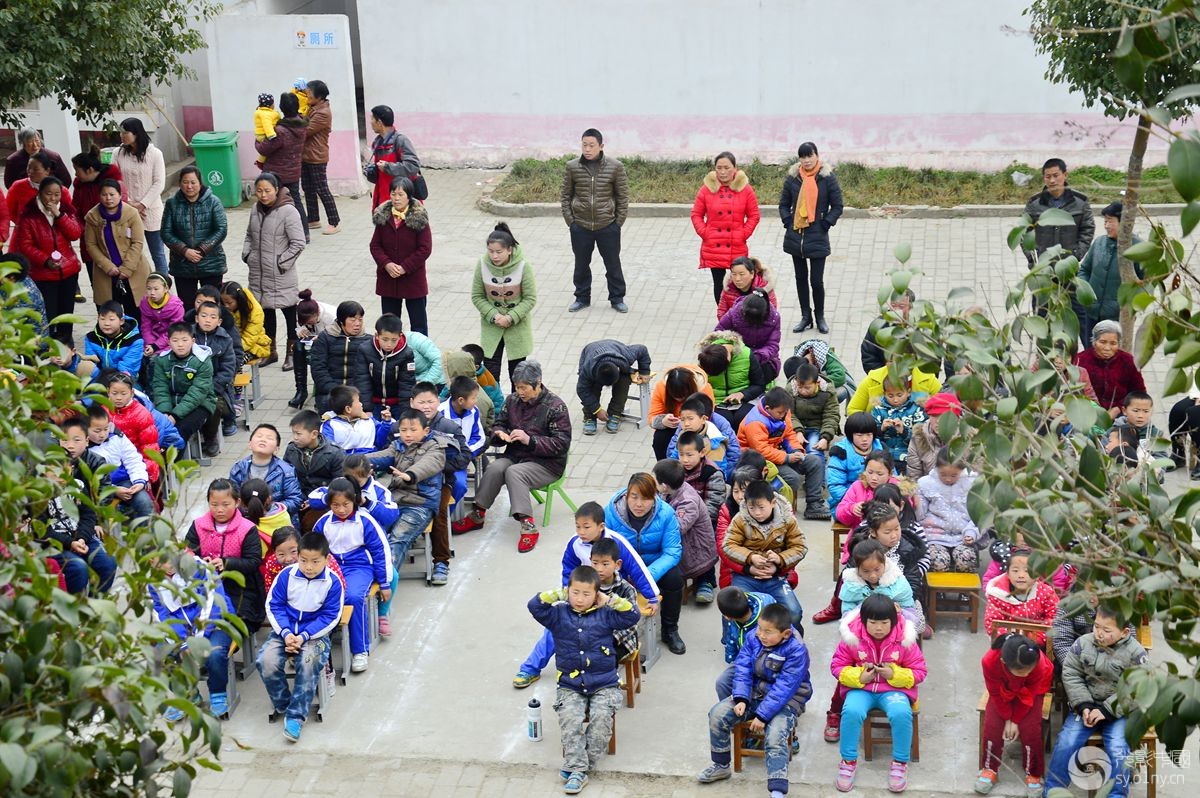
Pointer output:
299, 399
806, 323
673, 640
577, 306
822, 327
816, 511
620, 307
211, 448
79, 300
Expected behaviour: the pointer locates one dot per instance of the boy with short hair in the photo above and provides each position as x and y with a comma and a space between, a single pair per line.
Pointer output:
896, 414
461, 408
384, 368
589, 530
768, 431
208, 332
695, 528
1136, 411
609, 363
770, 689
1091, 674
458, 363
76, 531
416, 459
316, 461
454, 475
182, 384
765, 540
131, 479
115, 342
583, 619
740, 611
351, 428
303, 607
753, 459
696, 415
704, 477
264, 463
816, 414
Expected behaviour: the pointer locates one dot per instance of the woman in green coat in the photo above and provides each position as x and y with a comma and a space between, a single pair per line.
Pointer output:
193, 229
504, 293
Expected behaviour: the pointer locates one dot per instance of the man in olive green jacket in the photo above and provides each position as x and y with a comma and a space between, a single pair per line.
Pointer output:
595, 202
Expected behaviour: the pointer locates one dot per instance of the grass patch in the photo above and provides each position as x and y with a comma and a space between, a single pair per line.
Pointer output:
532, 180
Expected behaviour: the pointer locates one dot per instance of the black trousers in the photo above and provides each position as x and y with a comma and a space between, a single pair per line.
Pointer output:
718, 278
59, 296
662, 439
417, 318
608, 241
1184, 419
671, 586
192, 423
810, 270
186, 289
492, 364
289, 318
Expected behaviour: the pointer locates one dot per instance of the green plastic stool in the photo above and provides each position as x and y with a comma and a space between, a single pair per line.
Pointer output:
548, 499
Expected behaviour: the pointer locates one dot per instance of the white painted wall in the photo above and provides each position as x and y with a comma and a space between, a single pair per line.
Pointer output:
872, 79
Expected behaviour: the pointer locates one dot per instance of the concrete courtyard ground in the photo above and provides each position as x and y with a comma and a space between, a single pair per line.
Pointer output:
436, 713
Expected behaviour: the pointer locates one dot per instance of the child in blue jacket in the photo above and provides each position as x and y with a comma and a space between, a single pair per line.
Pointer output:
264, 454
896, 415
583, 620
115, 343
740, 611
848, 457
375, 498
303, 607
770, 688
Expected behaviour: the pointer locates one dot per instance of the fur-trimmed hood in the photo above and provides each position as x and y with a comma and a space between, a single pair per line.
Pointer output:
739, 182
853, 629
416, 219
824, 171
765, 280
891, 575
722, 337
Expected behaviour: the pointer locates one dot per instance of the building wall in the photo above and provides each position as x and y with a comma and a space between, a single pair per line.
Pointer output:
936, 82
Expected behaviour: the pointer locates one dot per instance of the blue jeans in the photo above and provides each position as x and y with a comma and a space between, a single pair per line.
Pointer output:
141, 505
894, 704
776, 587
725, 683
539, 658
77, 568
158, 253
721, 721
292, 703
217, 662
1074, 736
812, 437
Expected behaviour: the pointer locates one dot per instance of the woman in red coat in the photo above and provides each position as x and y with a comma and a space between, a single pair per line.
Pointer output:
724, 214
400, 246
44, 233
1111, 369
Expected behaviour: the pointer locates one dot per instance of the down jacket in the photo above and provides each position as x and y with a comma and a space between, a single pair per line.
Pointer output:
1002, 605
137, 424
282, 153
281, 477
332, 359
224, 360
383, 378
744, 373
594, 193
408, 245
658, 541
585, 654
892, 584
240, 548
695, 531
36, 240
201, 225
157, 321
122, 352
1112, 378
772, 679
724, 217
130, 238
1091, 672
274, 241
1074, 239
899, 649
731, 294
773, 439
843, 468
780, 534
182, 386
812, 241
547, 422
763, 339
595, 355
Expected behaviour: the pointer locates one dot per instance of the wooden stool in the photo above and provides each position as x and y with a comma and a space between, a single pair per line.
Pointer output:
742, 734
1047, 705
840, 531
1144, 754
955, 584
633, 676
876, 729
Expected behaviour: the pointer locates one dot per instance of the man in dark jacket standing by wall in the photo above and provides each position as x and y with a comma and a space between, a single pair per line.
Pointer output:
595, 202
1074, 239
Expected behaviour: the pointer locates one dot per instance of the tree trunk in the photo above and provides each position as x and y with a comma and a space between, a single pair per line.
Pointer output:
1133, 185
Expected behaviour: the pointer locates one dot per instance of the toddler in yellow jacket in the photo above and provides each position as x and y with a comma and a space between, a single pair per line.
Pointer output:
265, 117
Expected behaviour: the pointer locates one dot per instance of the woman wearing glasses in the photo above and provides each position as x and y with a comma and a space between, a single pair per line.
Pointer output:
504, 293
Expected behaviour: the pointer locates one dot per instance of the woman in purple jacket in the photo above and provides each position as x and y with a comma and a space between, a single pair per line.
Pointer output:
757, 321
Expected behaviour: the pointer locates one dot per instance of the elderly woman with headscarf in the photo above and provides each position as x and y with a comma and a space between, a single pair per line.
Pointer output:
535, 428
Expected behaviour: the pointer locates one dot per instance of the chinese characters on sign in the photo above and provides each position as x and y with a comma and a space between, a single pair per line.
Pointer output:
314, 39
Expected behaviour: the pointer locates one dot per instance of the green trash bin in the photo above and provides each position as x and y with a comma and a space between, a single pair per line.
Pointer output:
217, 160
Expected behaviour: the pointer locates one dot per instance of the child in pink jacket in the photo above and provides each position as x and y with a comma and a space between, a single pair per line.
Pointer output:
878, 665
160, 309
877, 470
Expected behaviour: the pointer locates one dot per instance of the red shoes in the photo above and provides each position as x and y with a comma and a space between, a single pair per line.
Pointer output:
469, 522
831, 613
529, 536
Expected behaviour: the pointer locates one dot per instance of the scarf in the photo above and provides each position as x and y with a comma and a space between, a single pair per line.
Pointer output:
398, 215
110, 240
806, 205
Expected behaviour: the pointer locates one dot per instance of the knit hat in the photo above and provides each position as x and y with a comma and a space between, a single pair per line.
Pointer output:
266, 99
943, 403
300, 83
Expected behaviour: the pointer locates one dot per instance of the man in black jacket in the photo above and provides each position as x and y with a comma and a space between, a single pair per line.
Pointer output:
1074, 239
612, 363
595, 202
872, 354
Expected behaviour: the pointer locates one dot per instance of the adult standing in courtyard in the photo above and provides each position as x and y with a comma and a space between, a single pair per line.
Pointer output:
282, 153
29, 143
1075, 239
401, 244
810, 204
595, 202
314, 161
194, 229
145, 173
724, 215
274, 241
392, 157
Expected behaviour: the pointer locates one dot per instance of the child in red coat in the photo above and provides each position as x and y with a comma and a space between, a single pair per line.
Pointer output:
1017, 675
1016, 595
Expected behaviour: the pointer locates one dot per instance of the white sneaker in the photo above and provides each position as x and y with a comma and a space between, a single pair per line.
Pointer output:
359, 663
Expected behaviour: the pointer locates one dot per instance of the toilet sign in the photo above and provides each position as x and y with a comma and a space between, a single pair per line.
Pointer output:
215, 178
316, 40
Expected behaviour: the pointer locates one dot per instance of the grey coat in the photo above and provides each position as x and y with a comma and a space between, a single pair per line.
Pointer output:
274, 241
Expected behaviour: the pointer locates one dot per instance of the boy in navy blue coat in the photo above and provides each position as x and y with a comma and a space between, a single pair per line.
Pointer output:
582, 620
770, 688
